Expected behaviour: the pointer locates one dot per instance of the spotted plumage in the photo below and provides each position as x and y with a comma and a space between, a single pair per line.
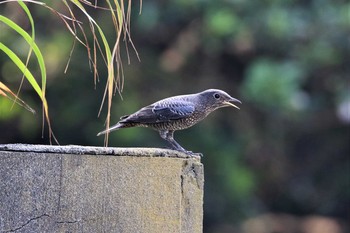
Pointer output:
176, 113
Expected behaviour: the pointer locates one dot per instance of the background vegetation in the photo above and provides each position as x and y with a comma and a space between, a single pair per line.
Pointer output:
280, 164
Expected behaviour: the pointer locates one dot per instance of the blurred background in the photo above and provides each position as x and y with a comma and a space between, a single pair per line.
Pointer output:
279, 165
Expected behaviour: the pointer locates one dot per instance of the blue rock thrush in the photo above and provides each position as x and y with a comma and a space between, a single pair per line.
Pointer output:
176, 113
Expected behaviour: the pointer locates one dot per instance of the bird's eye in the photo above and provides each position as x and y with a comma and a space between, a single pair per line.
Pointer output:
216, 96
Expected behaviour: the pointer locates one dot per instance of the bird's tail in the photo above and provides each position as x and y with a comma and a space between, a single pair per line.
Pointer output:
114, 127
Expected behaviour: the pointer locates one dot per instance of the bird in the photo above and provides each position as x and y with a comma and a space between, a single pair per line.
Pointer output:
176, 113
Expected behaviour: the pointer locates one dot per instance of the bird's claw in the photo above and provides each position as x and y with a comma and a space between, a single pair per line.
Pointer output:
193, 153
187, 152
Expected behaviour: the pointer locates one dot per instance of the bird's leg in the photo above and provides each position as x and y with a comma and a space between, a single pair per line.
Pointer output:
168, 135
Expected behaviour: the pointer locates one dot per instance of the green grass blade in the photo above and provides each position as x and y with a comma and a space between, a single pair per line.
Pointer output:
26, 10
17, 61
29, 76
33, 45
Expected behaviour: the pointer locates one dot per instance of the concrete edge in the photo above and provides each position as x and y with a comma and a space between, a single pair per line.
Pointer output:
96, 150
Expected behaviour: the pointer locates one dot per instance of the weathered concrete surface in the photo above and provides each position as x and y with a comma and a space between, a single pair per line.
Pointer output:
76, 189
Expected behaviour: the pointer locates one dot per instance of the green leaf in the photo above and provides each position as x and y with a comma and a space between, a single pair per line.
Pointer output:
33, 45
17, 61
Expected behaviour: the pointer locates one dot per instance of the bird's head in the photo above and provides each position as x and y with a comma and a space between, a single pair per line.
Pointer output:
214, 99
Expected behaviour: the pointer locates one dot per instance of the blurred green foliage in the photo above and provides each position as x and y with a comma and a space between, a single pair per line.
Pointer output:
263, 84
286, 150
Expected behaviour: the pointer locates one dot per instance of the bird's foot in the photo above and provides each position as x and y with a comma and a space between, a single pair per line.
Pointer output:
188, 152
194, 153
191, 153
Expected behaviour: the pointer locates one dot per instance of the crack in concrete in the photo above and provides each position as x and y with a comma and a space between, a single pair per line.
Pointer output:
67, 222
26, 223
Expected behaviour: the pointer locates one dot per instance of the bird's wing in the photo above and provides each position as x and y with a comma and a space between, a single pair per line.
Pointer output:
161, 112
174, 111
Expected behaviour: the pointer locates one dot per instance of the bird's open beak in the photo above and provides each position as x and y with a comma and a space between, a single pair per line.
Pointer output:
231, 101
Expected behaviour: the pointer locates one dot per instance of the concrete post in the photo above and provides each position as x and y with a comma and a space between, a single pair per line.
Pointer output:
96, 189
